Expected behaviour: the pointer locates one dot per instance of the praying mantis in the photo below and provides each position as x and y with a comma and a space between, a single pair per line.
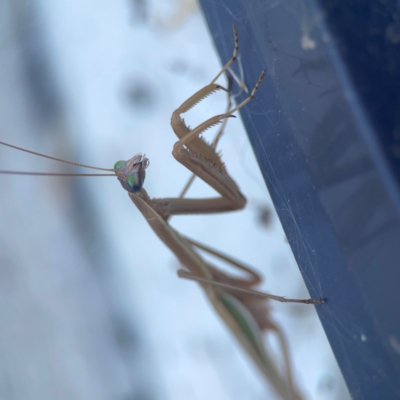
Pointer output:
234, 299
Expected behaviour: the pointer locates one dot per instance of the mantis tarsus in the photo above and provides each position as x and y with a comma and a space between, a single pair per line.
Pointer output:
242, 308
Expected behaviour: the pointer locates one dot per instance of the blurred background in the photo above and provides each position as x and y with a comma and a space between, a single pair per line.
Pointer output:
90, 304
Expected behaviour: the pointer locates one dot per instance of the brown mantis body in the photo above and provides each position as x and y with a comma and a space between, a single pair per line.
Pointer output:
242, 308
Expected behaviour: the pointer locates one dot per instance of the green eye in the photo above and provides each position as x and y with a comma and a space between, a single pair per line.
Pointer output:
132, 181
119, 164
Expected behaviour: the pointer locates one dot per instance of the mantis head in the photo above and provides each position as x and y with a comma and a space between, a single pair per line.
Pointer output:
132, 173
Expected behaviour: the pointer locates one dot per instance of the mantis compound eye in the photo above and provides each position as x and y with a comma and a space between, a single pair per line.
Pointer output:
133, 182
119, 164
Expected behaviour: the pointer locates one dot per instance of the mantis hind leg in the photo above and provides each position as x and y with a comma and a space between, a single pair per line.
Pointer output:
237, 286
